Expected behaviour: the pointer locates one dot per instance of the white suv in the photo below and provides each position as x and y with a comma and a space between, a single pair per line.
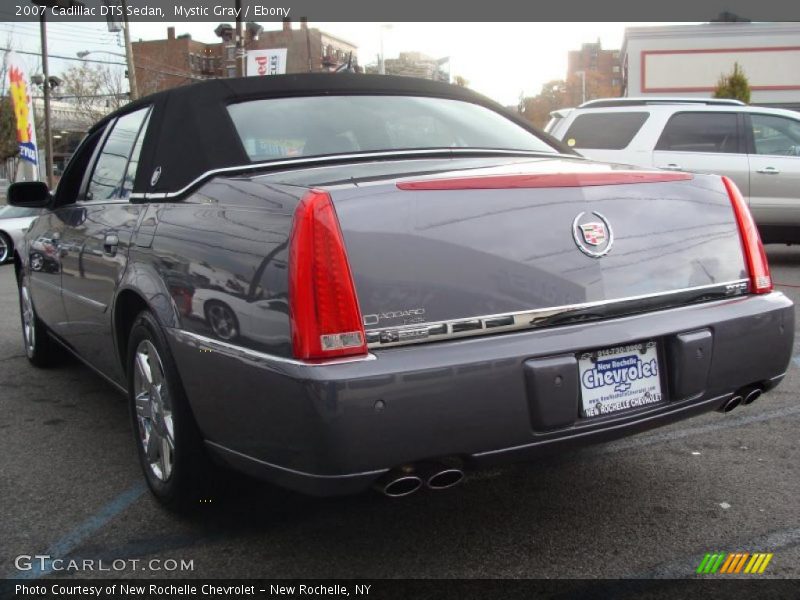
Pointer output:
759, 148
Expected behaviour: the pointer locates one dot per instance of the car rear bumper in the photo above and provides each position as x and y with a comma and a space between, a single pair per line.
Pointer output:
335, 428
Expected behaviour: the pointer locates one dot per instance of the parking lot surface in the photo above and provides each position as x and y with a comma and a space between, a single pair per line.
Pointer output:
645, 506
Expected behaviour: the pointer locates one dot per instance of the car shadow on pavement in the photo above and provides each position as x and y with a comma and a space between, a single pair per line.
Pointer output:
527, 507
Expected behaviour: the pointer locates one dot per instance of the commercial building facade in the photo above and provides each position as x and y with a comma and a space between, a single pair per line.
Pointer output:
688, 60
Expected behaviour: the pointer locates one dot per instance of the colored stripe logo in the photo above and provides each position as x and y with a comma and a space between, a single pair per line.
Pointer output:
734, 563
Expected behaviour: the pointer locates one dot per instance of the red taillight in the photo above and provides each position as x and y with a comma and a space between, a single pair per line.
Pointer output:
757, 266
325, 318
183, 299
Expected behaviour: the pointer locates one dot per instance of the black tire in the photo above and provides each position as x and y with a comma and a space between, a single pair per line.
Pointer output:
187, 480
6, 248
41, 350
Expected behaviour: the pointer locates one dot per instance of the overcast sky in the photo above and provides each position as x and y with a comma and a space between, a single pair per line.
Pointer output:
500, 60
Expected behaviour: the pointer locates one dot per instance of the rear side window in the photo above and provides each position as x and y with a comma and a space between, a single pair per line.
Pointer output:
604, 131
701, 132
113, 163
776, 136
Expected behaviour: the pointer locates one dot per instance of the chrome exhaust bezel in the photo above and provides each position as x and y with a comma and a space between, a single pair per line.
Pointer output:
447, 472
752, 396
731, 403
384, 488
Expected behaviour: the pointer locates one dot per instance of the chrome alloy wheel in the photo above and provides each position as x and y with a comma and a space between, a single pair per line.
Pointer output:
4, 249
222, 321
28, 320
153, 411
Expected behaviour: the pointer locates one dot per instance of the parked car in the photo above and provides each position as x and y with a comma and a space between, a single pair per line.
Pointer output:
757, 147
440, 286
556, 117
14, 222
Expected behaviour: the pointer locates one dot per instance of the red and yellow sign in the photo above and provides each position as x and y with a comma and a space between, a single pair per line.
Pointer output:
23, 109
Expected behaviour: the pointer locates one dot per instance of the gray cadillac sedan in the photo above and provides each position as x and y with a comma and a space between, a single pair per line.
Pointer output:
337, 282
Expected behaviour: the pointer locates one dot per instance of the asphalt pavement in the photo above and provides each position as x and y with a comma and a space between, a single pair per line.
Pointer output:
648, 505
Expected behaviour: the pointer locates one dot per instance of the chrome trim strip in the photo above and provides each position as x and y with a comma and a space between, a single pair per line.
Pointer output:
337, 157
222, 448
778, 377
45, 283
262, 356
93, 303
402, 335
61, 290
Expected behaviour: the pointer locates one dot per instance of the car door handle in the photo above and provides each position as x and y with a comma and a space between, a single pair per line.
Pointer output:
111, 243
671, 167
769, 171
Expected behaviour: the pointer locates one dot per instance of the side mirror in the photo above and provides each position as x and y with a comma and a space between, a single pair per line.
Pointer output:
30, 194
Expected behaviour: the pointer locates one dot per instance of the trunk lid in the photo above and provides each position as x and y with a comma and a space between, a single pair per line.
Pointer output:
423, 257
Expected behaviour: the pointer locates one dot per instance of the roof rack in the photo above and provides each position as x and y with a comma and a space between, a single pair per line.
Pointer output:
611, 102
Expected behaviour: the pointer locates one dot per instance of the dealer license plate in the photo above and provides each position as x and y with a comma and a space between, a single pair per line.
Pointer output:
618, 379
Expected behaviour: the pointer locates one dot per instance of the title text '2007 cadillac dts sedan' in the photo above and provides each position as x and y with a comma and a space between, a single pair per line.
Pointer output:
334, 282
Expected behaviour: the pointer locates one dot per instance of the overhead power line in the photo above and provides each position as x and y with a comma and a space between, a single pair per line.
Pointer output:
108, 62
60, 36
59, 56
57, 96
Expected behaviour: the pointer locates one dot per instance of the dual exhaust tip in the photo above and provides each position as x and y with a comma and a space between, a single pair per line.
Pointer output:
744, 396
404, 482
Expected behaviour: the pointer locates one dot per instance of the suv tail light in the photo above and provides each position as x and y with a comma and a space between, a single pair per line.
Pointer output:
323, 307
756, 258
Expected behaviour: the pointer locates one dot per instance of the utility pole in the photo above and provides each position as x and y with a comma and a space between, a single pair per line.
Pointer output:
134, 89
48, 134
239, 44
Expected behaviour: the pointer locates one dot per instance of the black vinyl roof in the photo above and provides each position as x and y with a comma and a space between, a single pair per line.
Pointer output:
191, 133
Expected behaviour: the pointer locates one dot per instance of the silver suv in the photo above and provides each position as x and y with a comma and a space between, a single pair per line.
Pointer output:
759, 148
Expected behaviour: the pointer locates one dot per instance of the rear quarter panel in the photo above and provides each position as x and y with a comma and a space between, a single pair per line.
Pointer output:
227, 244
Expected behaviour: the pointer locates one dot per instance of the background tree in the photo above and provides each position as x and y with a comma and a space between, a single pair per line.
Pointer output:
95, 89
734, 85
461, 81
597, 86
537, 109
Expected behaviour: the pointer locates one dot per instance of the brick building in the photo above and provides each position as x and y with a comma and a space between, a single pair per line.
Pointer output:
601, 70
178, 60
416, 64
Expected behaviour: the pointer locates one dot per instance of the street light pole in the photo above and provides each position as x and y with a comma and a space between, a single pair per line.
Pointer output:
583, 85
48, 137
134, 88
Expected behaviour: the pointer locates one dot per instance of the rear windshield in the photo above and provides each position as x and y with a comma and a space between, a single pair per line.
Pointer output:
604, 131
320, 125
